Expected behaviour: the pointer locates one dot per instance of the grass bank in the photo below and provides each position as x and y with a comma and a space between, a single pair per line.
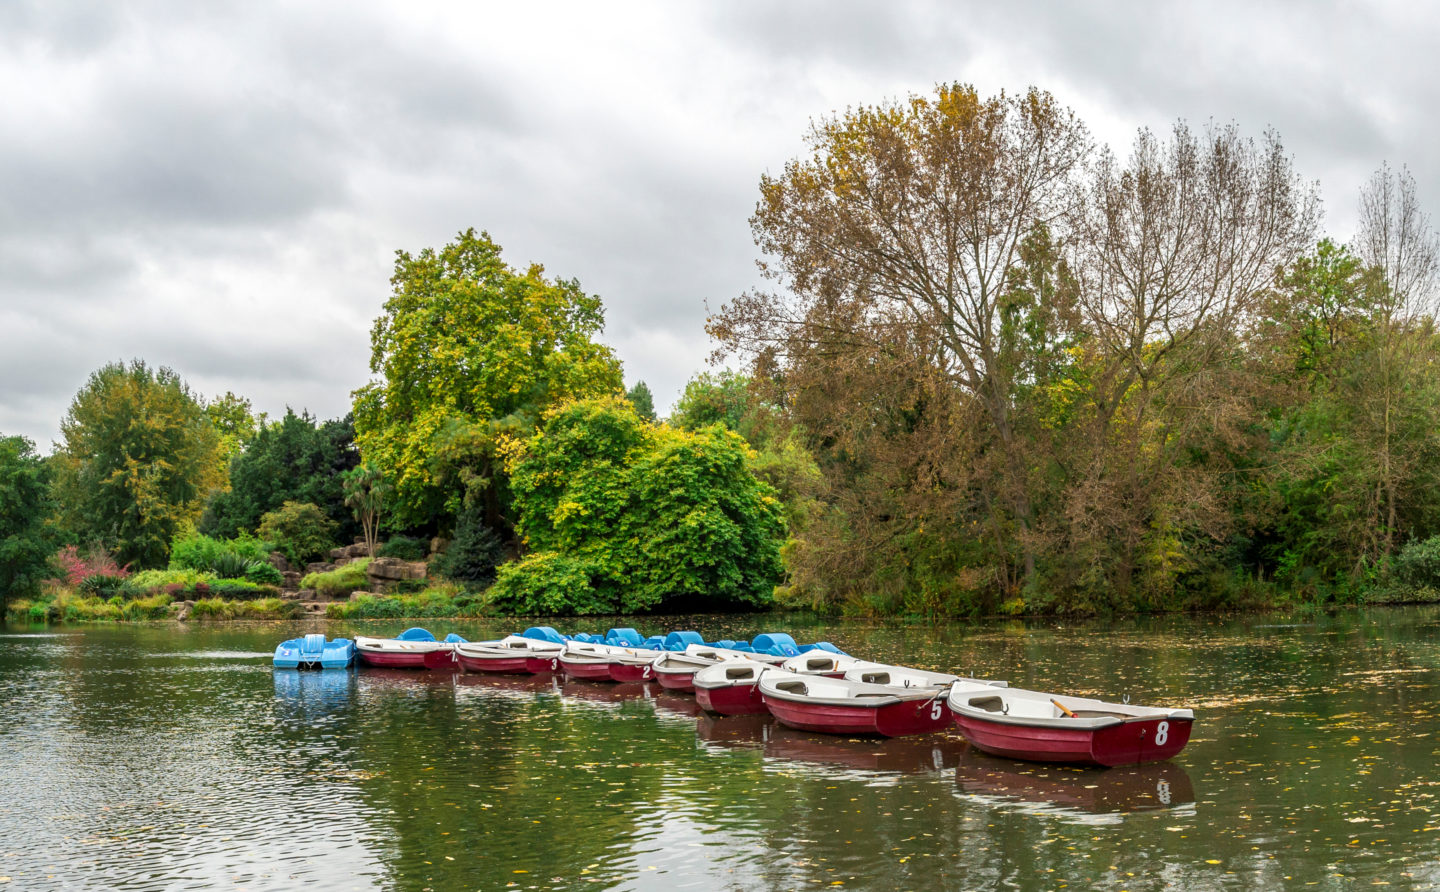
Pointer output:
68, 606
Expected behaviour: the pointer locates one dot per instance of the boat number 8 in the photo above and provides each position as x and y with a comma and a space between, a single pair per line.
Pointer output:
1162, 733
935, 710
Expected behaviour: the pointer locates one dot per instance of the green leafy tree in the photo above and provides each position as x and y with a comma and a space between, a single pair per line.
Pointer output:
26, 541
653, 514
708, 399
299, 530
294, 459
470, 350
140, 458
643, 400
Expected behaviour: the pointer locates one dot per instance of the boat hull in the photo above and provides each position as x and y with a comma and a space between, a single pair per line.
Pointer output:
631, 672
594, 670
503, 665
735, 699
677, 681
1133, 742
889, 720
393, 660
542, 665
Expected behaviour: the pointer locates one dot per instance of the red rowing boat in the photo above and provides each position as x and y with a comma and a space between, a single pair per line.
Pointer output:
729, 688
841, 706
1042, 727
509, 656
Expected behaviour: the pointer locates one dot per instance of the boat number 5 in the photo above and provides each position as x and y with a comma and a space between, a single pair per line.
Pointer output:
1162, 733
935, 711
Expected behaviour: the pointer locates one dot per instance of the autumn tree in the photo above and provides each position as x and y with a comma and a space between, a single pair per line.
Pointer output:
140, 458
468, 351
894, 244
1397, 239
1175, 249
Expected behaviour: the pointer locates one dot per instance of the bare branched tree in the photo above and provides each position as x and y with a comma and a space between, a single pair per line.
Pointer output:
1173, 250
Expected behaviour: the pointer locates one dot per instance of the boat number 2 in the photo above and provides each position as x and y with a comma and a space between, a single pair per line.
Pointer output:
935, 710
1162, 733
646, 673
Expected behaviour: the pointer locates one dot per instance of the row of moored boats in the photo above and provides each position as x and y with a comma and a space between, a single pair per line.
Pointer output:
811, 687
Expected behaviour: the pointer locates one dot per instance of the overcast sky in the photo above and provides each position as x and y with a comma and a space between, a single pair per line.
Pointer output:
220, 187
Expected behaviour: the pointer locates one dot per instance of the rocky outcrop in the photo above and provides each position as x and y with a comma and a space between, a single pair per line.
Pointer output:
319, 567
348, 553
385, 572
438, 546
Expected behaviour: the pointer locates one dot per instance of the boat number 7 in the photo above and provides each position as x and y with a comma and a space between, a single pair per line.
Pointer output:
1162, 733
935, 710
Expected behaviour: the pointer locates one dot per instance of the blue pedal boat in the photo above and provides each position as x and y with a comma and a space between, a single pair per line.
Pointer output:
314, 652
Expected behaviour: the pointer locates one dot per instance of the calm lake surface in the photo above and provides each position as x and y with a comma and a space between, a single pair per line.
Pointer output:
174, 756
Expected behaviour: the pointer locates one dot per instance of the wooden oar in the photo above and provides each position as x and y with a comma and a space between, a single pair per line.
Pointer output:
1061, 706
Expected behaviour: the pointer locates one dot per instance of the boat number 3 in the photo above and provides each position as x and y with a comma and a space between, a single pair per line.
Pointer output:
554, 664
935, 711
1162, 733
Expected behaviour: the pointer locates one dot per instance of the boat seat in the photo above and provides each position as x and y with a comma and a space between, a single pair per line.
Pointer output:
1099, 714
875, 677
822, 663
792, 687
989, 704
740, 672
862, 694
313, 644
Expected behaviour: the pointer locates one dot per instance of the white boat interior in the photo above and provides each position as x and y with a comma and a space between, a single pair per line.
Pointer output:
395, 645
825, 691
905, 677
735, 672
509, 646
820, 662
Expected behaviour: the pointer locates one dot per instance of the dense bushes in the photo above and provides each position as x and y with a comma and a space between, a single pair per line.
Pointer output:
625, 516
299, 530
548, 584
340, 581
404, 548
440, 601
1418, 563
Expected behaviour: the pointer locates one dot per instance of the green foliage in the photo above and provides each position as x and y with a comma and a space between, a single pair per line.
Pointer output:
405, 548
181, 580
650, 515
431, 603
469, 350
366, 490
643, 400
1418, 563
263, 573
139, 460
67, 606
193, 551
26, 540
708, 399
242, 590
341, 581
548, 584
295, 459
102, 585
474, 552
299, 530
263, 608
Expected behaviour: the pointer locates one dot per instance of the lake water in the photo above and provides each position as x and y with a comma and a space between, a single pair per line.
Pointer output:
166, 757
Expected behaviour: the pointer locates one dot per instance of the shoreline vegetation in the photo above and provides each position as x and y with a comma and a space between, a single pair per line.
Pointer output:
996, 369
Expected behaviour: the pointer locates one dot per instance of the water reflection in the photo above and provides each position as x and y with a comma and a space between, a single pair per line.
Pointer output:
1075, 792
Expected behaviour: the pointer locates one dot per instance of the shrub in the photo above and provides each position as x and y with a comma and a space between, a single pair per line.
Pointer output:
547, 584
473, 553
102, 585
340, 581
241, 590
405, 548
441, 601
264, 608
263, 572
76, 566
300, 531
1418, 563
174, 581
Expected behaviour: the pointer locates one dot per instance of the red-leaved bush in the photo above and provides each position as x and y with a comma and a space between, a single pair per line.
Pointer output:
75, 567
